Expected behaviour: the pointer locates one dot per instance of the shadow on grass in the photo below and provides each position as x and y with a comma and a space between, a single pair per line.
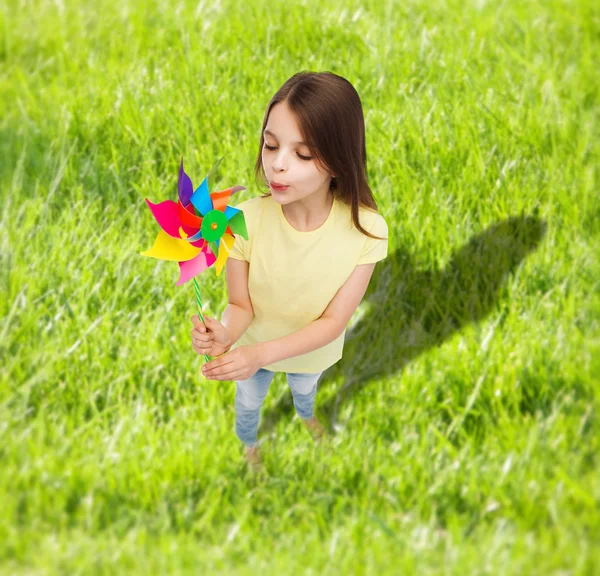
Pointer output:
412, 310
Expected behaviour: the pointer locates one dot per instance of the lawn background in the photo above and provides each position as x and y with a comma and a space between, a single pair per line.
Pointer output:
476, 452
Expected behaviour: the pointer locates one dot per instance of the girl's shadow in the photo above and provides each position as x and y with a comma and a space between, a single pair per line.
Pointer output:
411, 310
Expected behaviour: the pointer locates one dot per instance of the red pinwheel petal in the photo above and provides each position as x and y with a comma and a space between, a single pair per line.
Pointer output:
187, 217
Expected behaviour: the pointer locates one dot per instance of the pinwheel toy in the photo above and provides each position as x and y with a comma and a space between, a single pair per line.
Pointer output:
198, 230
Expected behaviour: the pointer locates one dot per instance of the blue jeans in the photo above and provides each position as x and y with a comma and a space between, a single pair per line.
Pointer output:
251, 393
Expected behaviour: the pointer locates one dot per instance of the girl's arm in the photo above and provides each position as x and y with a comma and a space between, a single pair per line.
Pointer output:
244, 361
236, 319
327, 327
239, 312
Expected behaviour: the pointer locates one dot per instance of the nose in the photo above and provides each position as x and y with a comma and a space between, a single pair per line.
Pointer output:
279, 162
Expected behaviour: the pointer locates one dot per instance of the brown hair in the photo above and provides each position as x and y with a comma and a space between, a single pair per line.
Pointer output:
330, 116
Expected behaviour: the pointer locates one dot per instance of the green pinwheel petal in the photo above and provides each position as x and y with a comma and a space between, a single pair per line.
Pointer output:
237, 224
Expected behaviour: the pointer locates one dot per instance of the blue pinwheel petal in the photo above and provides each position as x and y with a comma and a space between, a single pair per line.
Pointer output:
201, 198
230, 212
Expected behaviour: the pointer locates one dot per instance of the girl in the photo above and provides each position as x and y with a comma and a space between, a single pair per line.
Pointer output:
314, 239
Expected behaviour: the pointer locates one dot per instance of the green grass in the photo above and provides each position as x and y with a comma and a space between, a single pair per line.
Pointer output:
464, 414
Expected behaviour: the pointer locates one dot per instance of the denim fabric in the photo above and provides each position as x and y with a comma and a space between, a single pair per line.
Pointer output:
250, 395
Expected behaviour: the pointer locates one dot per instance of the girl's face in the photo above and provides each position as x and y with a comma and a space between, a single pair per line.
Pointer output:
289, 162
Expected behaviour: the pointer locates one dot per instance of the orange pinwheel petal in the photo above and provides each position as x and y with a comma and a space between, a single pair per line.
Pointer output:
221, 199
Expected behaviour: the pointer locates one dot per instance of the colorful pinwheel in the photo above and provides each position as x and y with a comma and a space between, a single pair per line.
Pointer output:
196, 228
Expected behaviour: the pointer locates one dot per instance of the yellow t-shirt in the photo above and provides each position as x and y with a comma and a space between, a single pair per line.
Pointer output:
293, 275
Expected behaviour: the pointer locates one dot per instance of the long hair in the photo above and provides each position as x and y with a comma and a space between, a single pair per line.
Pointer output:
330, 117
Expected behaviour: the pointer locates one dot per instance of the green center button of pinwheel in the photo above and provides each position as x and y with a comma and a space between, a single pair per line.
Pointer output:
214, 225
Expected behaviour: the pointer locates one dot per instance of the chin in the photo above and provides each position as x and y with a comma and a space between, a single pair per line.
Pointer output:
280, 197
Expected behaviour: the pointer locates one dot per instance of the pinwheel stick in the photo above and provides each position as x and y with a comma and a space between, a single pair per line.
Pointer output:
199, 302
198, 231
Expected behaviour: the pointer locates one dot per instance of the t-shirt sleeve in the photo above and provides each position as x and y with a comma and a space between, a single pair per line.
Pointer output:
239, 250
373, 249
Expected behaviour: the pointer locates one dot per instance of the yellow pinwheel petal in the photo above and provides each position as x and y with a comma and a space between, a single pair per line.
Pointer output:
168, 248
225, 245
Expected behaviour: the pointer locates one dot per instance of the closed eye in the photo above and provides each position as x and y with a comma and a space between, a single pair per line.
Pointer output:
299, 155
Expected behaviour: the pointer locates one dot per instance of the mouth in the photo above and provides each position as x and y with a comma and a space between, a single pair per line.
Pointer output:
277, 187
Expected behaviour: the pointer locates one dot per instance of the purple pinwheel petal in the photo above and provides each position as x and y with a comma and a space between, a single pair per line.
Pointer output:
184, 186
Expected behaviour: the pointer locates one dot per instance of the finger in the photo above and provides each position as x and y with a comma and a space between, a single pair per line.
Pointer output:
198, 324
219, 363
203, 345
203, 339
200, 350
203, 336
204, 331
235, 375
222, 372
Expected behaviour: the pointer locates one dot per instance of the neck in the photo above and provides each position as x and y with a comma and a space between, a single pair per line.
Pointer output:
309, 213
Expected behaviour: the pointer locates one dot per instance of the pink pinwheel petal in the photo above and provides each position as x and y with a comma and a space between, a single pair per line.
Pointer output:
165, 214
199, 243
193, 267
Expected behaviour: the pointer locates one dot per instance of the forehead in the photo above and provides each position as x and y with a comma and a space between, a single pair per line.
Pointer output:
282, 124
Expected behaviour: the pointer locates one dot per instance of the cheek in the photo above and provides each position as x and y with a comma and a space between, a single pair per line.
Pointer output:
322, 171
265, 160
314, 175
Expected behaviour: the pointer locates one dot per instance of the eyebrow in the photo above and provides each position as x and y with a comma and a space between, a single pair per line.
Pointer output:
271, 134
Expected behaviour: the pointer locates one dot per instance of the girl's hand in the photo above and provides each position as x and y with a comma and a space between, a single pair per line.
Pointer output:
212, 339
239, 364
